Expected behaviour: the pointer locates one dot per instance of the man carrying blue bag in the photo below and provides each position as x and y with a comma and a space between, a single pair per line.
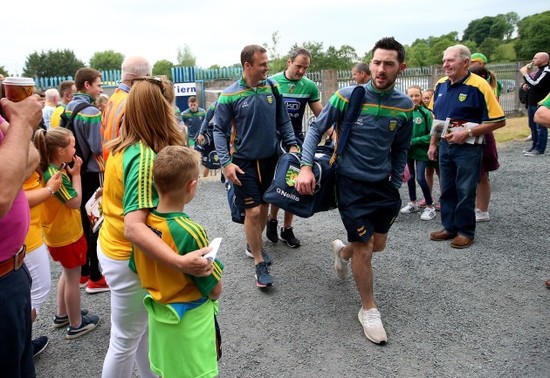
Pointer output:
369, 172
283, 194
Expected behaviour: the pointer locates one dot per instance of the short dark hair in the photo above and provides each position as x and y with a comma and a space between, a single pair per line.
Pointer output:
362, 67
480, 71
298, 51
389, 43
84, 75
247, 55
65, 87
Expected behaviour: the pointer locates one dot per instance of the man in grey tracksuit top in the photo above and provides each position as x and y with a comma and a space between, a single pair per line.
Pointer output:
369, 172
247, 118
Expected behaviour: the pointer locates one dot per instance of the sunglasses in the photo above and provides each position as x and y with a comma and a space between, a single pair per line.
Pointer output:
154, 80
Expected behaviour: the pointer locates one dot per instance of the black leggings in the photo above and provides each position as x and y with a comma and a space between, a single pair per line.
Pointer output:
90, 183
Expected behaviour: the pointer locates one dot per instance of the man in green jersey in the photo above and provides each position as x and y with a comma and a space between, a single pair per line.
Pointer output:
297, 91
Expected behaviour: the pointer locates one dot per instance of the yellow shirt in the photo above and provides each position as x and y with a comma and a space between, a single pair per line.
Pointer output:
56, 115
34, 236
62, 225
164, 284
128, 187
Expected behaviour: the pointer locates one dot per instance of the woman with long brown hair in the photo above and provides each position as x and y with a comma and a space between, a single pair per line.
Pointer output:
128, 195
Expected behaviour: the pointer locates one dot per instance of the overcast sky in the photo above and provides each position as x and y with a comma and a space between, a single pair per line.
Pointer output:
216, 30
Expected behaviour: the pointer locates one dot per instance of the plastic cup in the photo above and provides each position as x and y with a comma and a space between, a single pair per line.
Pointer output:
18, 88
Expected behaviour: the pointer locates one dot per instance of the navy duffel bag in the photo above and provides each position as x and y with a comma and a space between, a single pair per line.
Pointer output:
283, 194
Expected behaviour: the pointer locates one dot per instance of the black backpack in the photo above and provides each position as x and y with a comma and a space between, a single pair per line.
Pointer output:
523, 94
68, 123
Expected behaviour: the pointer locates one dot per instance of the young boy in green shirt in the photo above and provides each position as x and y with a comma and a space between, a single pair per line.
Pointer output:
181, 308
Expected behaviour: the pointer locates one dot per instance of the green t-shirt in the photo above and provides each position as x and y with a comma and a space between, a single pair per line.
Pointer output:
296, 95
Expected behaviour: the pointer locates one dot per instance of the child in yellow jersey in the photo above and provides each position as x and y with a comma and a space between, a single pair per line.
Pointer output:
62, 227
181, 308
37, 254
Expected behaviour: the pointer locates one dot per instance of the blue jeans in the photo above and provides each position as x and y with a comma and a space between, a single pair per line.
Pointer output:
15, 325
420, 174
459, 166
539, 133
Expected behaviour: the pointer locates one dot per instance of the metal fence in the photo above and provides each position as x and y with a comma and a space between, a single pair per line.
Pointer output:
425, 77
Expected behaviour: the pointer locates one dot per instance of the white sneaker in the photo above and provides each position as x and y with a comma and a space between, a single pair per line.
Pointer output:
428, 213
410, 208
482, 216
372, 325
340, 265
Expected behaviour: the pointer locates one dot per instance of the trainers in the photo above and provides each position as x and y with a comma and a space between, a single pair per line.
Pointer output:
534, 153
410, 208
428, 213
62, 321
87, 324
271, 230
287, 235
84, 281
340, 265
265, 256
482, 216
39, 344
372, 325
263, 278
99, 286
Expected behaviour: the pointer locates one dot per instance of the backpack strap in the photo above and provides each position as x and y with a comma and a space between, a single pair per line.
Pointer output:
278, 99
70, 126
354, 109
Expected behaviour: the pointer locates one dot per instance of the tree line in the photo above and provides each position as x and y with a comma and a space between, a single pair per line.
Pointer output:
502, 38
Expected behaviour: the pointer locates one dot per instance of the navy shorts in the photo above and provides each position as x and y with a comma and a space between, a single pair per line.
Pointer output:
255, 181
367, 207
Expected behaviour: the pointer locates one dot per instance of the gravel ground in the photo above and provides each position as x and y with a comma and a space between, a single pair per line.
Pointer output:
479, 312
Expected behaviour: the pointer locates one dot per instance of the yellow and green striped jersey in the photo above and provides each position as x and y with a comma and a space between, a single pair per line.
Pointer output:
128, 187
166, 285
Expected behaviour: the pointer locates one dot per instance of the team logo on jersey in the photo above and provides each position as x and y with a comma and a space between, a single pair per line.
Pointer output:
418, 120
291, 88
393, 125
270, 99
462, 97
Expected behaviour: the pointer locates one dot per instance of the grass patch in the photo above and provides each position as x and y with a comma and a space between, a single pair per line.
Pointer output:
516, 129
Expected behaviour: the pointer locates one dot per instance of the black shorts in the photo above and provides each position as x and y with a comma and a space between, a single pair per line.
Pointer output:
255, 181
366, 207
